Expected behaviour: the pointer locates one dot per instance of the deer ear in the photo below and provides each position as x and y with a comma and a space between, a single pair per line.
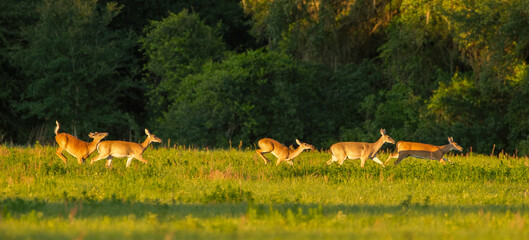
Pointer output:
298, 142
450, 139
147, 132
92, 135
383, 132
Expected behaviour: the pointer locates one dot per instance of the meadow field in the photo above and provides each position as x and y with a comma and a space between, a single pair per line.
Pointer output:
230, 194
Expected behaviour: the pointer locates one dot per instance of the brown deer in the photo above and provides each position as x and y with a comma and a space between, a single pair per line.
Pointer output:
424, 151
79, 149
122, 149
282, 153
359, 150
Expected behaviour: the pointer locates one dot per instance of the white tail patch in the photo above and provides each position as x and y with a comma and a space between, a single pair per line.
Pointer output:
57, 128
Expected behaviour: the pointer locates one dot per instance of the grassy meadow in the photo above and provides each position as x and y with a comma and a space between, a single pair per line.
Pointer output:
226, 194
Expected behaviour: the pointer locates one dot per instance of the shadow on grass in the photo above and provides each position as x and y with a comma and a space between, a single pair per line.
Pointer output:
14, 207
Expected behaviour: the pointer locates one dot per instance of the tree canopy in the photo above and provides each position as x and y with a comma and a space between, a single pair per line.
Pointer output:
205, 73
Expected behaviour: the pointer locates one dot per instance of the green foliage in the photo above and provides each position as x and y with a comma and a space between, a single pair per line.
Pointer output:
327, 32
463, 58
245, 97
518, 110
14, 15
351, 102
419, 51
228, 195
333, 70
399, 112
78, 70
175, 47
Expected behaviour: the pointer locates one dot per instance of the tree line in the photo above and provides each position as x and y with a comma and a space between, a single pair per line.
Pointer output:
207, 73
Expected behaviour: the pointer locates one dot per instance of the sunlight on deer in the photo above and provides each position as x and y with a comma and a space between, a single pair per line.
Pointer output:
79, 149
122, 149
423, 151
282, 153
359, 150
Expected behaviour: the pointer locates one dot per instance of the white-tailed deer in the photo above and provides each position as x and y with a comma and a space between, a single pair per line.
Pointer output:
122, 149
79, 149
424, 151
359, 150
282, 153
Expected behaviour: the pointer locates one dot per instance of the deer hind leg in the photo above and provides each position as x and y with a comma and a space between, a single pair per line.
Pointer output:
260, 153
99, 157
61, 156
363, 161
129, 161
333, 159
81, 159
109, 162
341, 159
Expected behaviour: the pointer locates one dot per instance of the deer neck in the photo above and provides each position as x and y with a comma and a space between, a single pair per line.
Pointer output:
145, 144
294, 153
445, 148
376, 146
92, 145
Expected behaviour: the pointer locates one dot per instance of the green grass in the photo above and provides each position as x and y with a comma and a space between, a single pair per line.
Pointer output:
223, 194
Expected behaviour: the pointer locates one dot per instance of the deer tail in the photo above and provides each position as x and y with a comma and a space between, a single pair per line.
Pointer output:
57, 128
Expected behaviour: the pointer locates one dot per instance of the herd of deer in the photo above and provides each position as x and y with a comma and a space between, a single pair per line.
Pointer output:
340, 151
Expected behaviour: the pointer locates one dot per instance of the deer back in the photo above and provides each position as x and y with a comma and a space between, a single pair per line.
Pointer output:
351, 149
120, 148
71, 144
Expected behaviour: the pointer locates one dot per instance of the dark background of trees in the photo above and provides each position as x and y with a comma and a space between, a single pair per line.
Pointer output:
206, 72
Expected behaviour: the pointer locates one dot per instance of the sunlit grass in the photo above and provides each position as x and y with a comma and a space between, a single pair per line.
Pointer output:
190, 193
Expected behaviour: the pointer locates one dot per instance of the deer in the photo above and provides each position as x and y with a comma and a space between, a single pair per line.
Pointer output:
359, 150
122, 149
280, 151
77, 148
424, 151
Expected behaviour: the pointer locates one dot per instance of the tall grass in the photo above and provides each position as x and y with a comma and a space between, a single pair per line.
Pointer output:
198, 193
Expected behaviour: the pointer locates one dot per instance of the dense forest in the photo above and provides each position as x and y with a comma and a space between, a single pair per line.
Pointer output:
208, 72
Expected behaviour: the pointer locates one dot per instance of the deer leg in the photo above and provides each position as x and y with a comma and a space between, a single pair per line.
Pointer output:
142, 159
129, 160
378, 161
278, 161
97, 158
401, 156
333, 159
442, 161
363, 161
260, 153
290, 162
448, 160
81, 159
341, 160
109, 161
59, 153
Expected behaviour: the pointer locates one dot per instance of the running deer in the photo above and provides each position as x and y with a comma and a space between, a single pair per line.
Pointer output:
79, 149
359, 150
282, 153
424, 151
122, 149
